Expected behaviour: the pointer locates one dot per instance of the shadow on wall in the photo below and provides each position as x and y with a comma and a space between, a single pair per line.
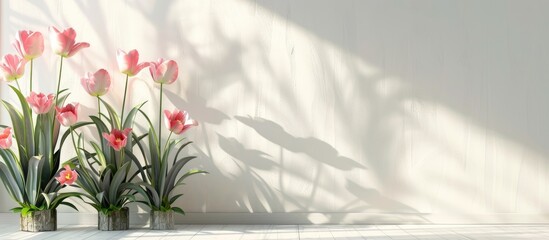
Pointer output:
251, 161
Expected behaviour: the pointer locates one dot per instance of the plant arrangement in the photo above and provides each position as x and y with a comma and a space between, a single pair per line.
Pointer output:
108, 171
105, 172
30, 174
161, 176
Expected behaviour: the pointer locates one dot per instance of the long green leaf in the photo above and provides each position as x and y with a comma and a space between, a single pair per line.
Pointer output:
140, 168
27, 122
174, 171
161, 187
69, 205
179, 151
178, 210
189, 173
153, 194
102, 128
49, 198
128, 123
118, 178
155, 159
11, 184
19, 132
147, 163
63, 196
75, 126
100, 156
33, 178
14, 168
115, 120
174, 198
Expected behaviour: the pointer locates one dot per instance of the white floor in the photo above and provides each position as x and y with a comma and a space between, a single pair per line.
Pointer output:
380, 232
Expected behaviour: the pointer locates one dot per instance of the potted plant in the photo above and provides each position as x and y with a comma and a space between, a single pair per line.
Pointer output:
30, 174
160, 175
105, 173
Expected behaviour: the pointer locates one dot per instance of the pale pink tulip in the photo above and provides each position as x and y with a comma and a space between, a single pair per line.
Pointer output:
178, 122
98, 83
40, 103
67, 176
128, 62
164, 72
67, 115
63, 43
5, 138
118, 138
13, 67
29, 44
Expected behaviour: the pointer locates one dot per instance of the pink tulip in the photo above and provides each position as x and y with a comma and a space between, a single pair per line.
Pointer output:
12, 67
164, 71
67, 115
97, 84
118, 138
178, 122
29, 44
5, 138
67, 176
63, 43
40, 103
128, 62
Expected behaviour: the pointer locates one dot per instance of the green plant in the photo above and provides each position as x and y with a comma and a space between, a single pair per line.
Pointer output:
29, 176
104, 173
160, 175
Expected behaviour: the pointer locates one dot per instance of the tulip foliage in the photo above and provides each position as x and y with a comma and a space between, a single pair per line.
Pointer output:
107, 170
29, 173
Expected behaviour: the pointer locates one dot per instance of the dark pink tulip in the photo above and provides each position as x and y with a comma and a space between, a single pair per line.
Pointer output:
118, 138
178, 122
67, 115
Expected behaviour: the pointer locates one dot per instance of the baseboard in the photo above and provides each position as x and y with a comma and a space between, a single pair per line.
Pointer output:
309, 218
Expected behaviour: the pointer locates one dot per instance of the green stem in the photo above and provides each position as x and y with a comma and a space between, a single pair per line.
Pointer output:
160, 119
18, 87
32, 60
99, 107
31, 63
124, 101
58, 83
73, 142
167, 141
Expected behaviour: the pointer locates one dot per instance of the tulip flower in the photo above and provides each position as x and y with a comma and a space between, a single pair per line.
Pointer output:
5, 138
40, 103
67, 176
67, 115
164, 72
63, 43
178, 122
12, 67
98, 83
128, 62
29, 44
118, 138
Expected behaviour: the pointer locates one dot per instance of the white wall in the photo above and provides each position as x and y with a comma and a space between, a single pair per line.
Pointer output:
333, 111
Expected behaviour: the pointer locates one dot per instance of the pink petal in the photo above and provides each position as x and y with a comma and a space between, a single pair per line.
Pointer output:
140, 67
77, 47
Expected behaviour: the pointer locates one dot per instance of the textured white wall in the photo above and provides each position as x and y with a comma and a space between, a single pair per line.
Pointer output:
334, 111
